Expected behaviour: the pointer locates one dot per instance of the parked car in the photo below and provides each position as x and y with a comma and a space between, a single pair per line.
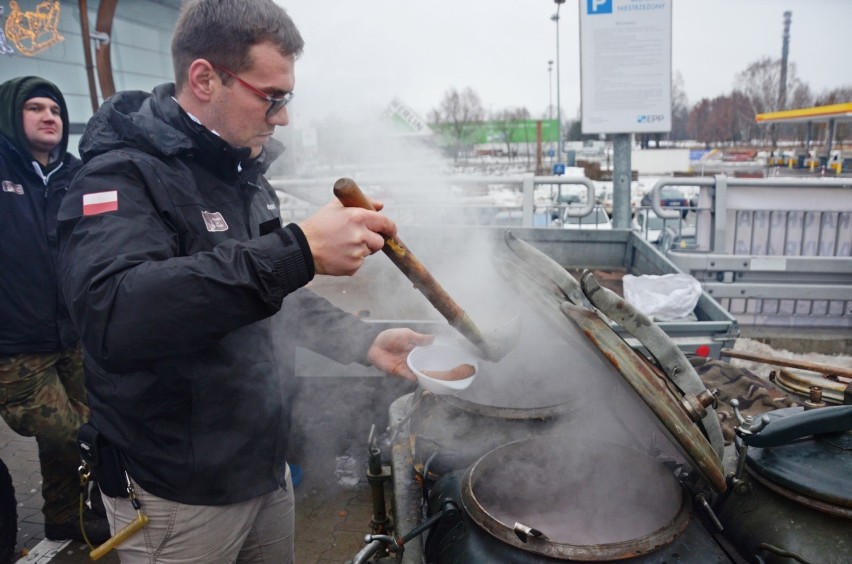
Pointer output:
598, 219
650, 226
669, 197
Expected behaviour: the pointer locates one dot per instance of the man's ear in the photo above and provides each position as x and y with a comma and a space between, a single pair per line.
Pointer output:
202, 80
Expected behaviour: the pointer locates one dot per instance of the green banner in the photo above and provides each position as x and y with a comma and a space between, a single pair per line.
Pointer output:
519, 131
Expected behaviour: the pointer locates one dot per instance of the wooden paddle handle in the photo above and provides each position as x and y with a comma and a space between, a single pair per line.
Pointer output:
790, 362
351, 196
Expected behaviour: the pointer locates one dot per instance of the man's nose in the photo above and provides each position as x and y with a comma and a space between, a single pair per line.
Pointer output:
281, 117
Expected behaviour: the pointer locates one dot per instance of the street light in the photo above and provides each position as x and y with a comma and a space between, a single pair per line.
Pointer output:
555, 18
550, 94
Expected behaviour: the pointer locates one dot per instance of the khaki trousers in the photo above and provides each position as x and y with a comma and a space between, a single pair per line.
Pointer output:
257, 530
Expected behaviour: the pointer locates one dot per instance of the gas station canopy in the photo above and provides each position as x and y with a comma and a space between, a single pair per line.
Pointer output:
817, 114
831, 114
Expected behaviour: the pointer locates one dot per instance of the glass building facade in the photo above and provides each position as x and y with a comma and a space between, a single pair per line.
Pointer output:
45, 38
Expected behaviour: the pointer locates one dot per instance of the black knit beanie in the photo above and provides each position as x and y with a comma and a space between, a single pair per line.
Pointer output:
43, 92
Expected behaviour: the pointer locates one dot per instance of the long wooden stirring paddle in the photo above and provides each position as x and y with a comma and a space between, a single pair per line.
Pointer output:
350, 195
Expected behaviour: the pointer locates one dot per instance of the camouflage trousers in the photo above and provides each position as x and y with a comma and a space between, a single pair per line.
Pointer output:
42, 396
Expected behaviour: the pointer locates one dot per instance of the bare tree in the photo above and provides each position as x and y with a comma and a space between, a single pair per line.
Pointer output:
457, 113
724, 119
523, 115
800, 97
743, 126
760, 83
510, 125
841, 95
697, 121
680, 108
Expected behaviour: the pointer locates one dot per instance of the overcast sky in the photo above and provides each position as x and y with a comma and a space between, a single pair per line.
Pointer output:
360, 54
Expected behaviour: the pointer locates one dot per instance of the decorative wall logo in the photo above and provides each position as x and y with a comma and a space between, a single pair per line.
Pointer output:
5, 48
33, 32
650, 118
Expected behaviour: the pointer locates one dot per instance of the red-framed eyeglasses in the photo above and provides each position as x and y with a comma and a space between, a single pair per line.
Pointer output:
275, 104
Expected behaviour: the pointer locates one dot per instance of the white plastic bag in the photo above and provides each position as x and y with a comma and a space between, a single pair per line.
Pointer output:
663, 298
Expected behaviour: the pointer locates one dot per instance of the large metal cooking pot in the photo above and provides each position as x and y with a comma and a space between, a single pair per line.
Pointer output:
449, 433
567, 498
544, 386
542, 375
535, 389
792, 495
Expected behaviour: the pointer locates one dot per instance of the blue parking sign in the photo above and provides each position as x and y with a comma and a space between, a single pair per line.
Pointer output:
595, 7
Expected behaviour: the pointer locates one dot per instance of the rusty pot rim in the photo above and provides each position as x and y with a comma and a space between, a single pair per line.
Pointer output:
619, 550
520, 413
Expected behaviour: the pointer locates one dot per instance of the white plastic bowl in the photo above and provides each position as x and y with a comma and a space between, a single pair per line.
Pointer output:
441, 357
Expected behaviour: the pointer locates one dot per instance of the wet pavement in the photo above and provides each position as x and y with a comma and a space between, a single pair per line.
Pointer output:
332, 419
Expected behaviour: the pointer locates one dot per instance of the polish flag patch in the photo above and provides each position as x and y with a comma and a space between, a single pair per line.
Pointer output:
100, 202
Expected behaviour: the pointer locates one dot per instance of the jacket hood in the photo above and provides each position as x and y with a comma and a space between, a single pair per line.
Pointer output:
13, 94
156, 124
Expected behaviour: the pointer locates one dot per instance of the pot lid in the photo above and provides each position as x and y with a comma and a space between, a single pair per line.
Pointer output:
815, 470
670, 395
654, 392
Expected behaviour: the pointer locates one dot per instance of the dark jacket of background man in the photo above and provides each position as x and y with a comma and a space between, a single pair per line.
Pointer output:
41, 362
32, 317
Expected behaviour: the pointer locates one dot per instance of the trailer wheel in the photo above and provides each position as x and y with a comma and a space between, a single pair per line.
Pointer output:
8, 516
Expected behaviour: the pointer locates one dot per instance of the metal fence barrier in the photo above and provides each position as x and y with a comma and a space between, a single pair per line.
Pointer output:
773, 251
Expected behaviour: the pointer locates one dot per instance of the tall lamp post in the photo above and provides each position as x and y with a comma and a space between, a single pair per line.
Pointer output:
550, 95
555, 18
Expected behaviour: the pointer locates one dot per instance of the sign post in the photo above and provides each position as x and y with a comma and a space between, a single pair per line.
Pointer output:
625, 71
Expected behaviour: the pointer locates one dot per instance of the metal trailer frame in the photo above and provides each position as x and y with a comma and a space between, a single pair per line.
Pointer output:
776, 252
624, 250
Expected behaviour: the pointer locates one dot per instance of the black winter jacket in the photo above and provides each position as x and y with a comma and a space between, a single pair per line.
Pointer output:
174, 293
33, 319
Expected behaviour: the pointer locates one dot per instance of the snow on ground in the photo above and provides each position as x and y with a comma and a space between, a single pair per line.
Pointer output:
761, 369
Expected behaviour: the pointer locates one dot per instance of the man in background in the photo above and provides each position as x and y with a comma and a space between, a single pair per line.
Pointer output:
41, 363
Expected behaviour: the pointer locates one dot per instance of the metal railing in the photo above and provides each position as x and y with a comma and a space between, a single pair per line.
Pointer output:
774, 251
461, 210
615, 251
